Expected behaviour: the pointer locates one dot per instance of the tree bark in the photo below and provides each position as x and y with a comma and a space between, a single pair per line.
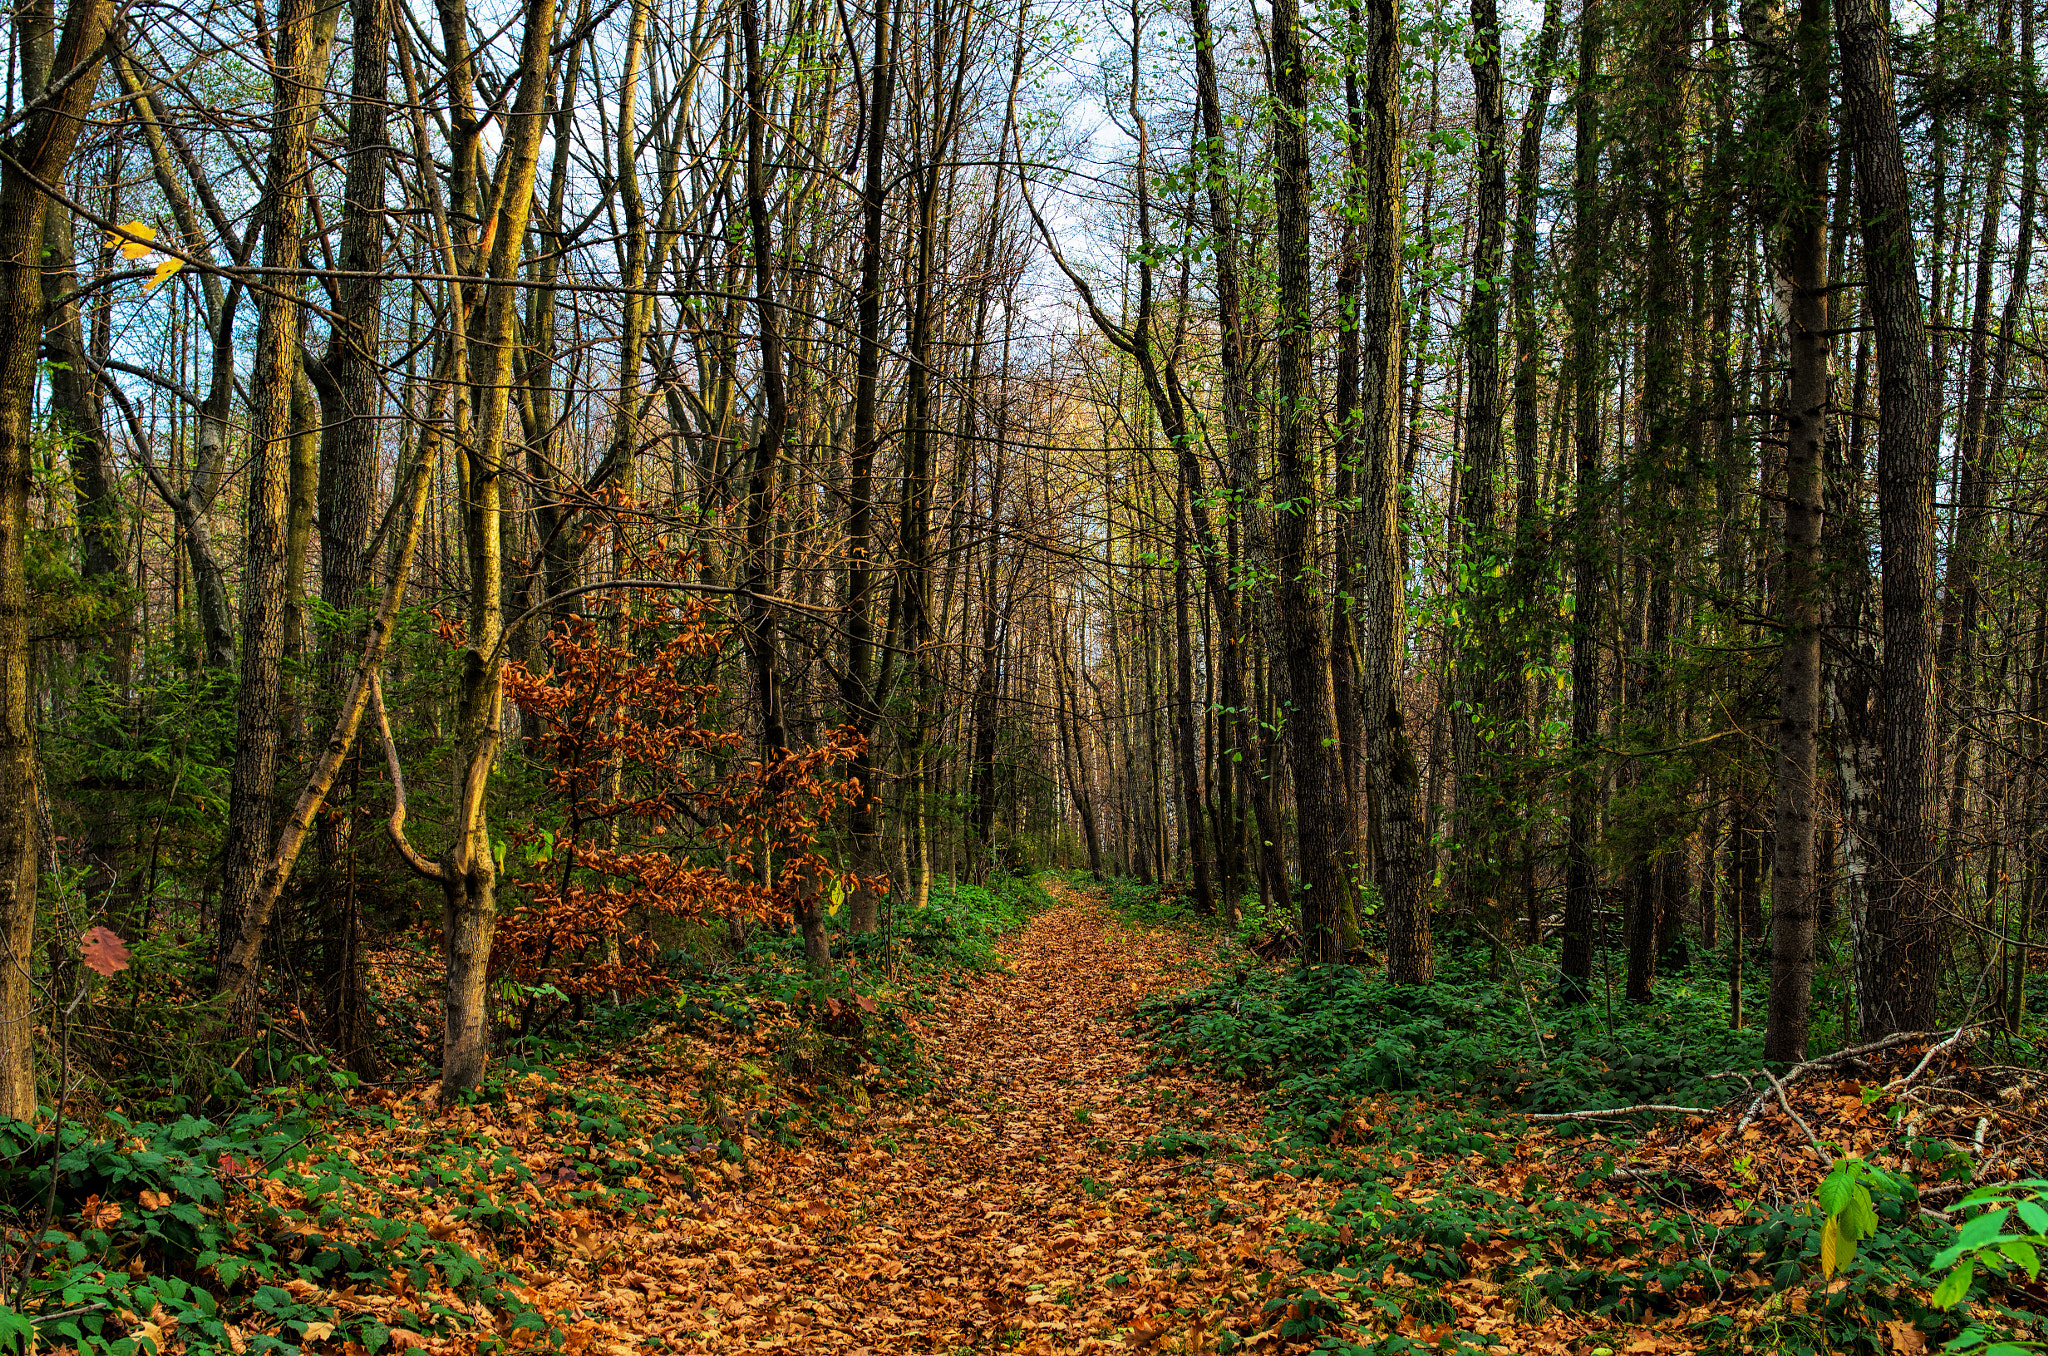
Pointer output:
763, 644
1797, 88
1907, 925
353, 398
37, 153
266, 570
1582, 877
1320, 803
1234, 608
1478, 686
469, 873
857, 684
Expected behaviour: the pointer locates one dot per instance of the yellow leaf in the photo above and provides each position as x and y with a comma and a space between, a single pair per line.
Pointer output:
131, 248
1830, 1248
163, 270
317, 1330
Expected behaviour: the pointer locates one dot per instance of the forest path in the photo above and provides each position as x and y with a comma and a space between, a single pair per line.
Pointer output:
1011, 1208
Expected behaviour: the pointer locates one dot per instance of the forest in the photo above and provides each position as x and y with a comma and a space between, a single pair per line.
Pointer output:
953, 676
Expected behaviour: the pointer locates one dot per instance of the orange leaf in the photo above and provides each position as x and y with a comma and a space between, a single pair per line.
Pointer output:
104, 953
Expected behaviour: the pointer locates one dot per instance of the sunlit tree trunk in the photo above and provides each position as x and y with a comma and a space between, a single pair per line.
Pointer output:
298, 62
469, 872
37, 154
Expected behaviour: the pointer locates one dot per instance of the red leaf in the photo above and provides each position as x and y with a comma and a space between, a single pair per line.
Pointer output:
105, 954
867, 1004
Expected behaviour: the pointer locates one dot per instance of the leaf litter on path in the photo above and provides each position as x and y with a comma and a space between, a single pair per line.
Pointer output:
1011, 1208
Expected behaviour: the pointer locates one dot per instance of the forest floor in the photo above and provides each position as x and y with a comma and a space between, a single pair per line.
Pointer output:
1011, 1207
1039, 1199
1044, 1175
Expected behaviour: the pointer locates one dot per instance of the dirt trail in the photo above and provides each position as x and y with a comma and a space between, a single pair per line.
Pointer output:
1006, 1210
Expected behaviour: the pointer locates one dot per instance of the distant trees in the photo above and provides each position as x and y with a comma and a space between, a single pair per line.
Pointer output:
1442, 476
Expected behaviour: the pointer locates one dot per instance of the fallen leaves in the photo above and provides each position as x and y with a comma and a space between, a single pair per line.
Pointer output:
987, 1209
1053, 1193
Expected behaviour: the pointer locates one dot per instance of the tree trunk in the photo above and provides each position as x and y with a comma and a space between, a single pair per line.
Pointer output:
857, 684
1798, 89
1907, 925
1477, 684
1235, 608
1184, 708
353, 399
763, 644
1384, 633
266, 572
1582, 877
470, 883
36, 155
1311, 721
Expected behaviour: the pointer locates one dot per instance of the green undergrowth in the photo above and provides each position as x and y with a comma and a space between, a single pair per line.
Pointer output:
1434, 1190
1325, 1036
1413, 1101
848, 1019
235, 1232
1564, 1246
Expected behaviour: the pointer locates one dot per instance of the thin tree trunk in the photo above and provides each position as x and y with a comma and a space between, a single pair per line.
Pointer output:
857, 683
1477, 684
1311, 721
1582, 880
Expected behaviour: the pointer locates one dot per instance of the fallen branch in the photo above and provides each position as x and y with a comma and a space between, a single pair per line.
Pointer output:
1624, 1111
1972, 1032
1640, 1172
1798, 1071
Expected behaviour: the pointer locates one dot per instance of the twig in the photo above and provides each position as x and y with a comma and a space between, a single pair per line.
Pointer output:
1623, 1111
1786, 1102
1641, 1173
1748, 1083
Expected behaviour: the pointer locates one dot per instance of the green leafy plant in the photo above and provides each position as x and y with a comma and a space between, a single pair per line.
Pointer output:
2010, 1232
1844, 1198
